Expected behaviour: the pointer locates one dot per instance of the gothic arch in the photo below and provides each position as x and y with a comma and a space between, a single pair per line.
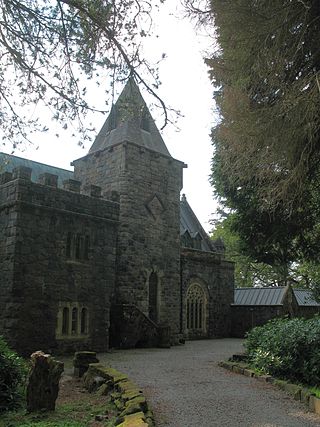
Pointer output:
196, 309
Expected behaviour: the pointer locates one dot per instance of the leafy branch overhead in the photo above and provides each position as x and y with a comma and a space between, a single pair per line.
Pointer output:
50, 49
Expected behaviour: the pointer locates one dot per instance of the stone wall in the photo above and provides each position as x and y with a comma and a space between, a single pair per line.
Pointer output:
245, 318
60, 250
149, 185
216, 276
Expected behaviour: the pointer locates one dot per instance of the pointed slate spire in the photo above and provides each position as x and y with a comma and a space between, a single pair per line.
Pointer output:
130, 120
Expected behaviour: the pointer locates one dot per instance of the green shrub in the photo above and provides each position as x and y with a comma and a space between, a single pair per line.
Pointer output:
287, 348
12, 376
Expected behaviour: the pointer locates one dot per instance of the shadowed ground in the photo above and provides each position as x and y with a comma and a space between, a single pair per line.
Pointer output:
186, 388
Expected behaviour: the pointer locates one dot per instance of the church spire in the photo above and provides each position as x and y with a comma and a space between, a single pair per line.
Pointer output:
130, 120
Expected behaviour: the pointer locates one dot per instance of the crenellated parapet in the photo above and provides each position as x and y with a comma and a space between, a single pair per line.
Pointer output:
51, 181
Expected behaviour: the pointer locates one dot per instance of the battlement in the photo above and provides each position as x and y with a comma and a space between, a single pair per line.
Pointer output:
17, 187
51, 180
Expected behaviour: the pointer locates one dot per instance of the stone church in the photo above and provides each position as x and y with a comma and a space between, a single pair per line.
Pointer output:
108, 255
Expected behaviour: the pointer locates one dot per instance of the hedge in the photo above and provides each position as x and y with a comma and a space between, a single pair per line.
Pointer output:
287, 348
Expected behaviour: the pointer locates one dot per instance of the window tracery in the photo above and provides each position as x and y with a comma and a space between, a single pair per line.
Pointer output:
196, 304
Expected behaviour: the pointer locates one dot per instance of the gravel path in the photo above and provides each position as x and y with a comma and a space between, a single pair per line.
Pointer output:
186, 388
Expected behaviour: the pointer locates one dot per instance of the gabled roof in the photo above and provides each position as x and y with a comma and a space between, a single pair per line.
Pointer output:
8, 162
189, 222
130, 120
259, 296
305, 297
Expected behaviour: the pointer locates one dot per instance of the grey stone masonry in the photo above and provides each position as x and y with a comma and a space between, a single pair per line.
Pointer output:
216, 276
41, 271
149, 185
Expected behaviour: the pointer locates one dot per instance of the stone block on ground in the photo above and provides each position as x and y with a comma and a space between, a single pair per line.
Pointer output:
305, 395
134, 420
104, 389
131, 394
43, 382
314, 404
82, 360
97, 371
138, 404
237, 369
125, 386
248, 372
294, 390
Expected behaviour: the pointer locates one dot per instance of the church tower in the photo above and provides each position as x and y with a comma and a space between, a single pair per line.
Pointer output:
131, 163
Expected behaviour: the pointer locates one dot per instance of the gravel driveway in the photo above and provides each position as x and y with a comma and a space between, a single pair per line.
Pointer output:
186, 388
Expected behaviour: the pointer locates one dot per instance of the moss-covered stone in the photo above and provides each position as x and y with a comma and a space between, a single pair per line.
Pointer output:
119, 405
131, 394
314, 404
294, 390
305, 395
263, 378
248, 373
237, 369
125, 386
97, 370
134, 420
104, 389
138, 404
115, 395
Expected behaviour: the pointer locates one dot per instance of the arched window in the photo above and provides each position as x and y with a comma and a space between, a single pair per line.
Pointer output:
196, 301
153, 296
84, 321
65, 321
74, 320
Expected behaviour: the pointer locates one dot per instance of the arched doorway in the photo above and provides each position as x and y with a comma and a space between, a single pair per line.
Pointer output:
153, 297
196, 311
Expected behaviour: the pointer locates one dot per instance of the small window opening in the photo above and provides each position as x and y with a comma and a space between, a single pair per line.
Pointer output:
74, 320
65, 321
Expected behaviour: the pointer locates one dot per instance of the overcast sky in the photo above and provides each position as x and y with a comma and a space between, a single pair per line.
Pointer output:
186, 87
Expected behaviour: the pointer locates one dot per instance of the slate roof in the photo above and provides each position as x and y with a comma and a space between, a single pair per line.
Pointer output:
125, 123
259, 296
190, 223
8, 162
305, 297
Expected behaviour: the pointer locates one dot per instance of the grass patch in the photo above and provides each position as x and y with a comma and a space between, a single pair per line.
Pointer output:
77, 414
315, 391
74, 408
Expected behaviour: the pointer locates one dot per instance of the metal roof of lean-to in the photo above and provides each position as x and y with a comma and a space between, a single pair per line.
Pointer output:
259, 296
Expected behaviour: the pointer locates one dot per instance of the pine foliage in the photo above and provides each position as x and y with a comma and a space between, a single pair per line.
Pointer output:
268, 71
